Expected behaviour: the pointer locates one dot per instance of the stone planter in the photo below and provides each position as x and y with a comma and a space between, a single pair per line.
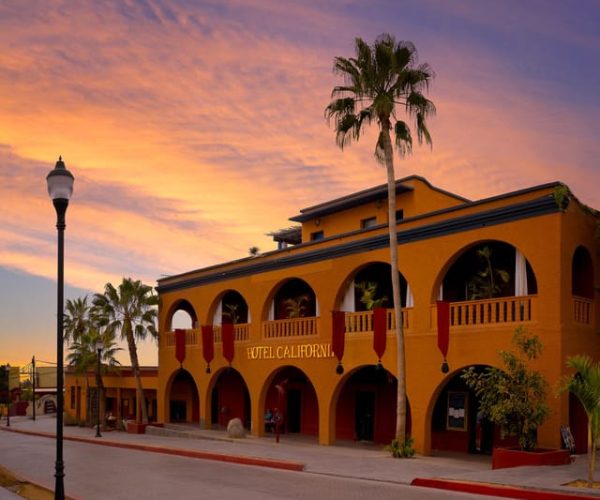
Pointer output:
503, 458
135, 428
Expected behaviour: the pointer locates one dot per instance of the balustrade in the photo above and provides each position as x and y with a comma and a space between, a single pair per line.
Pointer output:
294, 327
582, 310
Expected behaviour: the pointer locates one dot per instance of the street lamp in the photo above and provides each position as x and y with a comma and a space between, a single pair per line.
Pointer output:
9, 397
99, 347
60, 188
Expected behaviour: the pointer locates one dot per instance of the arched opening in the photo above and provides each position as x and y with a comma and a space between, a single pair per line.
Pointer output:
184, 401
181, 315
488, 270
372, 287
366, 406
292, 394
231, 308
457, 425
294, 299
582, 275
229, 399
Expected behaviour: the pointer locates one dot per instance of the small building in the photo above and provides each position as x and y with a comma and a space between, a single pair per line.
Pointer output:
120, 394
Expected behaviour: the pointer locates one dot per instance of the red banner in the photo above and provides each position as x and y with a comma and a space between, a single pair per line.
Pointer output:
338, 337
443, 326
180, 345
379, 330
227, 341
208, 343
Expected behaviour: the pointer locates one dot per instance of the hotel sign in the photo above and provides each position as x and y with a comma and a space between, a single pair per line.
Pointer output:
296, 351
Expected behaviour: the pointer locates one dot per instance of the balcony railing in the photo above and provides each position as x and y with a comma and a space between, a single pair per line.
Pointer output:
362, 322
492, 311
241, 332
192, 337
582, 310
283, 328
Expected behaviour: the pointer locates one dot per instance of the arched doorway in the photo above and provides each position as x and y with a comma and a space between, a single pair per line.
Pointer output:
229, 399
366, 406
456, 424
292, 393
181, 315
582, 274
184, 401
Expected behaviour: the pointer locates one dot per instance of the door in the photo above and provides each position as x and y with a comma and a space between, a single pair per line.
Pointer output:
365, 415
294, 410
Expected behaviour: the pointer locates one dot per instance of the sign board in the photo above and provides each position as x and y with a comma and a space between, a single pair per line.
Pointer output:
457, 411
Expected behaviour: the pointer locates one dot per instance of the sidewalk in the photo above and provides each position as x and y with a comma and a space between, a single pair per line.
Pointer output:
458, 472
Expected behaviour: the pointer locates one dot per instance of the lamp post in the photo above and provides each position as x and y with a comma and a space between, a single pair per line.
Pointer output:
9, 397
60, 188
98, 354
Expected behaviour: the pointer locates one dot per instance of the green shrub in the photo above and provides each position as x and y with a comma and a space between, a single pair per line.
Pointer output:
401, 450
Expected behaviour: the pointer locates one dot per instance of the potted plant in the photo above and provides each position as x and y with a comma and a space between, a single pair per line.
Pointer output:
515, 399
368, 295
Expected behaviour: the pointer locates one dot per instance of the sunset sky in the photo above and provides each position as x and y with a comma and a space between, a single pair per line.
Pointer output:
193, 128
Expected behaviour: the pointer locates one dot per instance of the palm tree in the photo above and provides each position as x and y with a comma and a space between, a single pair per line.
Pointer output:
130, 310
378, 81
585, 385
83, 357
77, 318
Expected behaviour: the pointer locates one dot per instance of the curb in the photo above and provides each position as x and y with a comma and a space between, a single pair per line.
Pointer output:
499, 490
204, 455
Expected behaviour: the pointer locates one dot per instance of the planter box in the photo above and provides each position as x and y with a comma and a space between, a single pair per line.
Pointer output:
135, 428
503, 458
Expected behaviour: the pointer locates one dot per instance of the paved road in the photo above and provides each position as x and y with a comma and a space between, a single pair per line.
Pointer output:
98, 472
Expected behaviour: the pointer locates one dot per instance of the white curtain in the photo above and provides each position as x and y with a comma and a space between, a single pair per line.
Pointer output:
271, 316
249, 317
410, 301
317, 308
218, 317
520, 274
348, 304
441, 292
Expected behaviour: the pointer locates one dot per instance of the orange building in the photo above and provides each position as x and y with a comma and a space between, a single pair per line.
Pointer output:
259, 330
119, 392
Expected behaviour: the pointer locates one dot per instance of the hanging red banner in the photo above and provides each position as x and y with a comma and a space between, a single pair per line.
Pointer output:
180, 345
227, 341
443, 326
379, 330
208, 343
338, 320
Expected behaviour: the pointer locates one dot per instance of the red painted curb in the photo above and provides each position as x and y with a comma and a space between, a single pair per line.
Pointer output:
498, 490
205, 455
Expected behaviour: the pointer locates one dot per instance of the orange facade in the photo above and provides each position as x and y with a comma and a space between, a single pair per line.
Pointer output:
545, 257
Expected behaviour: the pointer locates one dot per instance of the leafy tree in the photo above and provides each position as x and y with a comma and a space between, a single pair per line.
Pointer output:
585, 385
130, 310
297, 307
77, 319
380, 81
515, 398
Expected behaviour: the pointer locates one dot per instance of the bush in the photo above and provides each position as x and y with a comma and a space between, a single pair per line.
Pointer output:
401, 450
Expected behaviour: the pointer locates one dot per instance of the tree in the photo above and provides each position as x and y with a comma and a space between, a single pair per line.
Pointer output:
514, 398
585, 385
83, 357
130, 310
77, 318
378, 82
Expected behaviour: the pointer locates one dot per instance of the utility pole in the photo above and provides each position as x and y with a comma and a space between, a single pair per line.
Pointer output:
33, 384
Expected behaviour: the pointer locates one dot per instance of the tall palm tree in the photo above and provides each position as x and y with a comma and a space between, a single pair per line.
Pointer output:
380, 80
585, 385
130, 310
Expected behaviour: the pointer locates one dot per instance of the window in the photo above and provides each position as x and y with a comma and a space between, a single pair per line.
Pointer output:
319, 235
370, 222
399, 215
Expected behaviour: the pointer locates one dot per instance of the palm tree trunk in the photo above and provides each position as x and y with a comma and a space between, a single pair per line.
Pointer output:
135, 367
591, 452
400, 355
